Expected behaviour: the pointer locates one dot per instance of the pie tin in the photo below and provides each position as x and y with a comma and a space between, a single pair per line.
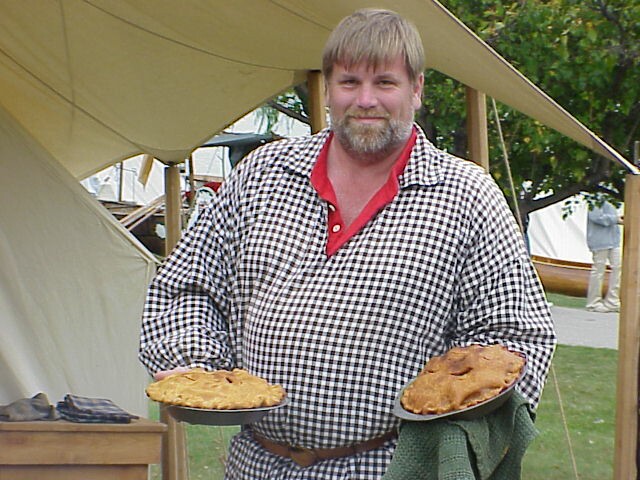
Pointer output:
470, 413
207, 416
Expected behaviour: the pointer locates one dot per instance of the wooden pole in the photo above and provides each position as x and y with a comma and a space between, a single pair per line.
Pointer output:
145, 168
477, 132
173, 206
192, 181
626, 437
120, 180
317, 102
175, 465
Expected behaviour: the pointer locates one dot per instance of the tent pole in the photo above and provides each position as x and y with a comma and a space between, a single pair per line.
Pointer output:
120, 180
626, 437
192, 181
317, 103
477, 132
145, 168
173, 196
174, 444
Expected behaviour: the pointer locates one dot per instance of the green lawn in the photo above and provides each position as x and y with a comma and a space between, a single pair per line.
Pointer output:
586, 380
566, 301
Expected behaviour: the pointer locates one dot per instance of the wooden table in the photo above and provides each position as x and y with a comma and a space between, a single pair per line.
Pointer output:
63, 450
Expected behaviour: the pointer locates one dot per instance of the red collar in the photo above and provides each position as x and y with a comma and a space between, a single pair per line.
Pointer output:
338, 235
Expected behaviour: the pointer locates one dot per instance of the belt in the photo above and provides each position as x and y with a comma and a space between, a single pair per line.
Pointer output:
306, 457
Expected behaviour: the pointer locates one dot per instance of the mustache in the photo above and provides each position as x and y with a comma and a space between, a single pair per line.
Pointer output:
365, 112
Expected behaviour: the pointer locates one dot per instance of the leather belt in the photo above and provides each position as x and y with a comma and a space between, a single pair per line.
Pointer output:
306, 457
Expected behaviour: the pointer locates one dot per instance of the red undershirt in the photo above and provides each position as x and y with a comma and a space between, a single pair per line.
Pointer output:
338, 233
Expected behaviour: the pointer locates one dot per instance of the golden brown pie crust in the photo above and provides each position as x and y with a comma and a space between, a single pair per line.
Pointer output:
220, 389
461, 378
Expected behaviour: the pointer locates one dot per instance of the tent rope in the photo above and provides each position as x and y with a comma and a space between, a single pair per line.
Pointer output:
507, 165
565, 424
519, 219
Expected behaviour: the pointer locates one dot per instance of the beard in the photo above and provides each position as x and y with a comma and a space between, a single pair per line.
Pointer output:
375, 140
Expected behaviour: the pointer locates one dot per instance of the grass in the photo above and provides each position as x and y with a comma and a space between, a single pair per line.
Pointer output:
582, 378
576, 416
586, 382
566, 301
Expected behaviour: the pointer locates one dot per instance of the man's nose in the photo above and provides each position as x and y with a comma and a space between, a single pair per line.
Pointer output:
366, 97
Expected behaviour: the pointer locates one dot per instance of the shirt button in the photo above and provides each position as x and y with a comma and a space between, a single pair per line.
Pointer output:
335, 228
332, 208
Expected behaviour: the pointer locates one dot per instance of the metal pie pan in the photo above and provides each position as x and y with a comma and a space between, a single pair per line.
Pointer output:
470, 413
206, 416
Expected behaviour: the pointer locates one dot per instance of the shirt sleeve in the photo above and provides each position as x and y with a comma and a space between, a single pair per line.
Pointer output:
184, 318
501, 299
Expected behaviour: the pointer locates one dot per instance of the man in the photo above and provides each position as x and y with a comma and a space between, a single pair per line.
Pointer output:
337, 264
603, 240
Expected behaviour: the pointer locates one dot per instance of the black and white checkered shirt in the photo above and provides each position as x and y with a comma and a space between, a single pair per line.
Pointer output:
250, 285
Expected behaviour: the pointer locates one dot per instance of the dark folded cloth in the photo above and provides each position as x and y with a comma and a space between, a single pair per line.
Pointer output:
75, 408
29, 409
487, 448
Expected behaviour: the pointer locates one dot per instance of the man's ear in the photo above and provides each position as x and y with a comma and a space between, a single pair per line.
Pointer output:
418, 88
326, 89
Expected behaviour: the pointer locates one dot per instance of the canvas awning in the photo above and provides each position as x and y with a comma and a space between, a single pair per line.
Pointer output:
97, 81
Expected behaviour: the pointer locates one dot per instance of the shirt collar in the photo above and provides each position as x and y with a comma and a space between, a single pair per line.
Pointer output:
425, 164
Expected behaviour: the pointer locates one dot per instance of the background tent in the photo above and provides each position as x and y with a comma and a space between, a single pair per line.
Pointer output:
71, 284
552, 236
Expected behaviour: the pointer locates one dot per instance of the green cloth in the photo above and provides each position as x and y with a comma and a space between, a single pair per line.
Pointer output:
487, 448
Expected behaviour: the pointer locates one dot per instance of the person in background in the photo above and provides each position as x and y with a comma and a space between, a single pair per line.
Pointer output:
603, 240
337, 264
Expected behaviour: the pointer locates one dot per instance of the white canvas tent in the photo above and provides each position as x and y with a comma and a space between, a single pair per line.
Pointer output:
552, 236
92, 82
71, 284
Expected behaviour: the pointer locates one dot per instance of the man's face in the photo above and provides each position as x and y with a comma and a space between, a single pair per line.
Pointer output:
372, 110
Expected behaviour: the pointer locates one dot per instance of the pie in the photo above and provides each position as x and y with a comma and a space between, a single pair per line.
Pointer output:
461, 378
220, 389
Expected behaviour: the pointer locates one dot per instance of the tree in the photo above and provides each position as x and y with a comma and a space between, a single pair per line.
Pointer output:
585, 55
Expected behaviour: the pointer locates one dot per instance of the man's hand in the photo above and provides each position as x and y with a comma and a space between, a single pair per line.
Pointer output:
165, 373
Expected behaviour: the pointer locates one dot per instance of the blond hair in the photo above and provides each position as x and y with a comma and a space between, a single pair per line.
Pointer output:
375, 37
